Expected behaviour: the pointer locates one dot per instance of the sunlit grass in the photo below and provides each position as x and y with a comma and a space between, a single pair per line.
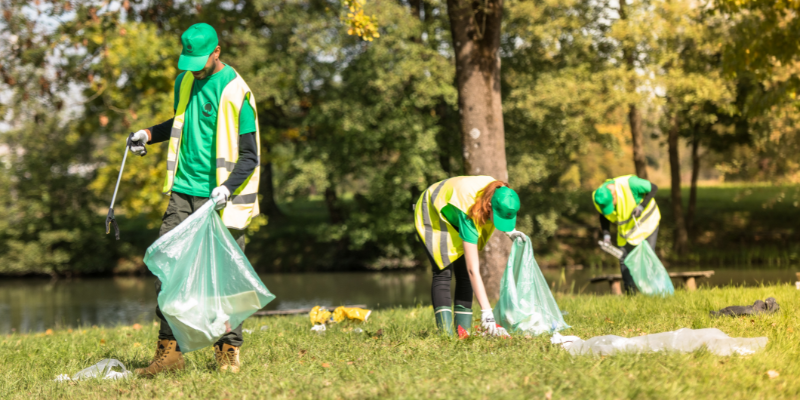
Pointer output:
399, 355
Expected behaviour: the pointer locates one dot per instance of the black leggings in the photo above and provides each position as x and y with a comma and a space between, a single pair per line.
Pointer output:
440, 287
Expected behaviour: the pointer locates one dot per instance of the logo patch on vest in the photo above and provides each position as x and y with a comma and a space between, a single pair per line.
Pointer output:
208, 109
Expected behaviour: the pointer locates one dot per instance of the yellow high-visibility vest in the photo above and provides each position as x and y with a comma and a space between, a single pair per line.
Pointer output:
440, 237
629, 229
243, 203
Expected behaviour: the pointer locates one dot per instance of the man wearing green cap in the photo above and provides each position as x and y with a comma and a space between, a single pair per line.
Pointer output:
213, 153
629, 202
455, 219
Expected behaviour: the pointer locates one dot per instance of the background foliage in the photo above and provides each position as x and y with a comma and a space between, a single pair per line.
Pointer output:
353, 130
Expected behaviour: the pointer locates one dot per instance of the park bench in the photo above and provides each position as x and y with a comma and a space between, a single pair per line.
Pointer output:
689, 279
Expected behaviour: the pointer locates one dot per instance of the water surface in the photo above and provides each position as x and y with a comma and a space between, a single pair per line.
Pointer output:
34, 305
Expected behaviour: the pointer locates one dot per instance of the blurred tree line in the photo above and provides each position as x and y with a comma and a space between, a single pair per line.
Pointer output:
364, 126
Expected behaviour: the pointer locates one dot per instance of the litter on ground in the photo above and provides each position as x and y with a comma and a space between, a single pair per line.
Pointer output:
683, 340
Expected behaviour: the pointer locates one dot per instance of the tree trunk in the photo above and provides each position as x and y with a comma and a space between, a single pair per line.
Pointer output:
268, 204
693, 191
634, 118
681, 239
637, 138
475, 29
332, 203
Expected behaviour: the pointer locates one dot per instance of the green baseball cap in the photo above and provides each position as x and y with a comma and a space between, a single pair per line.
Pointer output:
505, 205
199, 41
603, 199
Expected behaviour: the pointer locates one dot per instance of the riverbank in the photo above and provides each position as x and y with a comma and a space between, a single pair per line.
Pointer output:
399, 355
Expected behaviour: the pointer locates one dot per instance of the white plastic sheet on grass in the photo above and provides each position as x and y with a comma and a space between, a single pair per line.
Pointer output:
104, 369
683, 340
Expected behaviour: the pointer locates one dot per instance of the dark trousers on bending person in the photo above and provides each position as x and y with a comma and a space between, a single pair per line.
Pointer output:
180, 207
441, 294
628, 285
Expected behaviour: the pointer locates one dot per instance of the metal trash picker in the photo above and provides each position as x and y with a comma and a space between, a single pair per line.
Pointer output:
110, 218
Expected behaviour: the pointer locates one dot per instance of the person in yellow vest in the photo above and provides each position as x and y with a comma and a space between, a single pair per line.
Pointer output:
629, 202
455, 219
213, 153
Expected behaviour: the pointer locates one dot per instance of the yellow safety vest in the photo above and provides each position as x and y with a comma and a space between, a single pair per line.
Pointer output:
243, 203
629, 229
440, 237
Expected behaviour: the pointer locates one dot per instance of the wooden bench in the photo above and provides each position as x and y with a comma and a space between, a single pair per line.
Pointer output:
689, 279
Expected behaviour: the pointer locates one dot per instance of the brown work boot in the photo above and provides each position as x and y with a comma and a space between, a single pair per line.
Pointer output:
227, 358
166, 359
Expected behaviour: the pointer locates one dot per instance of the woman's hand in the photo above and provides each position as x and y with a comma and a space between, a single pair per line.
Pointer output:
515, 234
490, 326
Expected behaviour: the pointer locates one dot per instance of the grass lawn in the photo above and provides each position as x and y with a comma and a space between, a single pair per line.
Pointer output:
399, 355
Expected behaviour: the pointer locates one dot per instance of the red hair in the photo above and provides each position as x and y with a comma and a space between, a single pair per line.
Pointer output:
481, 211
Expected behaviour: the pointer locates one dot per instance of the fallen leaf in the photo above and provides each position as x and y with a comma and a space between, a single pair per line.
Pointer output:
137, 344
548, 395
136, 327
302, 353
609, 321
102, 341
48, 332
155, 323
790, 330
349, 363
772, 374
774, 324
326, 365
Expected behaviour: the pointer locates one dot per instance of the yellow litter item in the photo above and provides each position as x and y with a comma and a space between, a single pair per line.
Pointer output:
319, 315
360, 314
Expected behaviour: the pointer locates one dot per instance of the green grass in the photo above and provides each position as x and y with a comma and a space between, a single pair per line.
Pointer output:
409, 361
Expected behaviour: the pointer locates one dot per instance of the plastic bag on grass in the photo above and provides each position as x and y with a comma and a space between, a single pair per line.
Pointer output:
683, 340
526, 304
208, 286
103, 369
647, 271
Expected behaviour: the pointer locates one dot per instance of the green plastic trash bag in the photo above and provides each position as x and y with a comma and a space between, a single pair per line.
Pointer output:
647, 271
208, 286
526, 304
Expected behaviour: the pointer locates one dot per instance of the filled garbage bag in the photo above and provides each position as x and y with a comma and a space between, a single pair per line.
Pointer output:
208, 286
647, 271
683, 340
526, 304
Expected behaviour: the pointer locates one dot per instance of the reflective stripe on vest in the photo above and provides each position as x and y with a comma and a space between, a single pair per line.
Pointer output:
629, 229
243, 203
439, 236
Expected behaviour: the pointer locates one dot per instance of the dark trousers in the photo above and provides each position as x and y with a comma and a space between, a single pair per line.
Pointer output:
179, 208
628, 285
440, 287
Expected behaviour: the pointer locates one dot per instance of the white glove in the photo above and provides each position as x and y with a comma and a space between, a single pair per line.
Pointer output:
489, 325
220, 195
513, 235
137, 141
607, 238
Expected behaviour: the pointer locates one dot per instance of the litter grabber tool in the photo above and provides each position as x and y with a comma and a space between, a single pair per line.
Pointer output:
610, 249
110, 218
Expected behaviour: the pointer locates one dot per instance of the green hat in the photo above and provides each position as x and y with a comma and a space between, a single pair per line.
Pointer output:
199, 41
604, 200
505, 204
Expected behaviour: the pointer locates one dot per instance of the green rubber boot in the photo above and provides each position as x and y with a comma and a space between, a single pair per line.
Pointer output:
444, 320
463, 317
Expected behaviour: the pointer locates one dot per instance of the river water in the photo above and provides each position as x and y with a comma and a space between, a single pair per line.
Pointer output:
34, 305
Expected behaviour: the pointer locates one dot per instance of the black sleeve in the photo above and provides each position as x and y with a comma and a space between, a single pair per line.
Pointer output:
651, 195
160, 133
605, 224
248, 161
